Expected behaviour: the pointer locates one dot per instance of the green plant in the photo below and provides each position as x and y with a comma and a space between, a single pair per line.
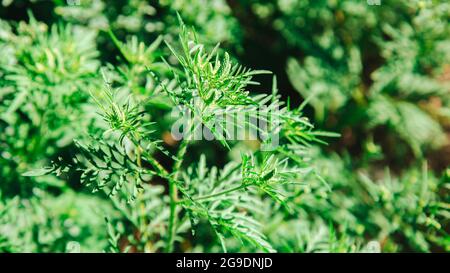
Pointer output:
44, 73
213, 19
123, 163
382, 82
408, 212
161, 141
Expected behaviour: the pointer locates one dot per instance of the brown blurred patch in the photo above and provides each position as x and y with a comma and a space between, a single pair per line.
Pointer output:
439, 159
168, 139
445, 76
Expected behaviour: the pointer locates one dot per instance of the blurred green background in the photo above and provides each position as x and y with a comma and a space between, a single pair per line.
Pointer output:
379, 75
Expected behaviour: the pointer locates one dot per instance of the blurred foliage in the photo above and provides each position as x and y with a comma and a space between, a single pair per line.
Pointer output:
369, 67
379, 75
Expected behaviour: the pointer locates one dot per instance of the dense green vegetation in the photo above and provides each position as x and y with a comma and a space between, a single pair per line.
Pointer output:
353, 153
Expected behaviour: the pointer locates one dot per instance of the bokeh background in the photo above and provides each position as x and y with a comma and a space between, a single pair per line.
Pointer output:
376, 72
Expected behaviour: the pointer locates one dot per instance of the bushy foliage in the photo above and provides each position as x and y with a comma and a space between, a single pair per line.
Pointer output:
386, 79
44, 75
88, 101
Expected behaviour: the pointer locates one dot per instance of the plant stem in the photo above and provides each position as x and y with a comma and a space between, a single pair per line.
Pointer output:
172, 220
173, 194
140, 152
243, 186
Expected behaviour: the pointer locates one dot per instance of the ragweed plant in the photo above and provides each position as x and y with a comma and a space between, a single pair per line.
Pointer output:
123, 161
43, 78
183, 151
389, 80
400, 213
146, 20
44, 73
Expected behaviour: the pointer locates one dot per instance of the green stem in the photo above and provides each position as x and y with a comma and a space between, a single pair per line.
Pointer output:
243, 186
142, 153
173, 194
173, 190
145, 236
180, 156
